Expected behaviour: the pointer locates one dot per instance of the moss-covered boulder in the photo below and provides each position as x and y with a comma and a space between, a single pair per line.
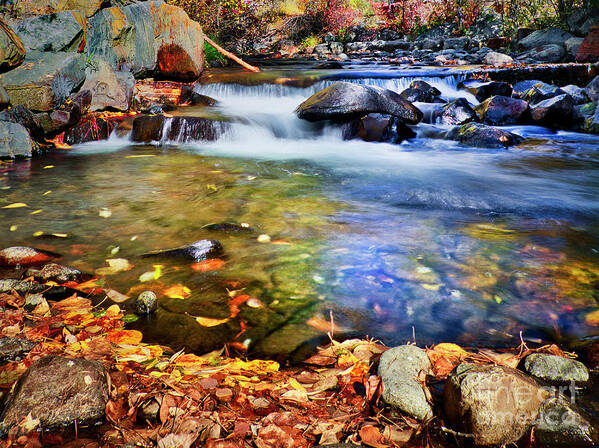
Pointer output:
482, 136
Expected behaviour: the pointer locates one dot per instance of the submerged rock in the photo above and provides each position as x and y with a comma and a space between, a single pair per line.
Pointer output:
400, 369
345, 101
198, 251
500, 110
422, 92
483, 136
560, 424
456, 112
146, 303
556, 369
496, 404
58, 391
229, 227
24, 256
14, 349
56, 273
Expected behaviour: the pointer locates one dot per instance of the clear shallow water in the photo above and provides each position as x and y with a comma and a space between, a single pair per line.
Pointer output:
426, 238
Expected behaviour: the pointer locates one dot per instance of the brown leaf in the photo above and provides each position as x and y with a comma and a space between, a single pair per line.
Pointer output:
371, 436
398, 436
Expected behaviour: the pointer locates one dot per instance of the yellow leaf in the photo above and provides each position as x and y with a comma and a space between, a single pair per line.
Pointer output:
210, 322
112, 310
13, 228
16, 205
177, 292
47, 193
592, 318
257, 366
131, 337
430, 287
38, 233
48, 167
35, 212
140, 155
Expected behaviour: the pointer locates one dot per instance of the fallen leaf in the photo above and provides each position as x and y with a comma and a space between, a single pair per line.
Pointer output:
210, 322
132, 337
16, 205
116, 296
371, 436
214, 264
177, 292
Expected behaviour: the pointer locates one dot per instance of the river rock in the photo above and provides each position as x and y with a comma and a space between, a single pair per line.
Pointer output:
592, 89
112, 90
146, 303
180, 43
484, 90
345, 101
24, 256
400, 369
14, 349
562, 425
14, 141
538, 92
587, 116
4, 98
501, 110
556, 112
90, 128
147, 128
58, 391
378, 128
12, 51
496, 404
581, 20
23, 116
61, 31
198, 251
519, 89
192, 129
45, 81
422, 92
53, 272
66, 115
496, 59
556, 369
30, 8
588, 51
547, 53
578, 94
549, 36
572, 45
456, 112
483, 136
457, 43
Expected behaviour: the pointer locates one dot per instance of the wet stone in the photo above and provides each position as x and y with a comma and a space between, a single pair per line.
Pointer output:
456, 112
24, 256
483, 136
562, 425
198, 251
146, 303
556, 369
56, 273
14, 349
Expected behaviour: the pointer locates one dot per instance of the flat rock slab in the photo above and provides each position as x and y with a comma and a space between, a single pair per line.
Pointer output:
400, 369
496, 404
556, 369
58, 391
62, 31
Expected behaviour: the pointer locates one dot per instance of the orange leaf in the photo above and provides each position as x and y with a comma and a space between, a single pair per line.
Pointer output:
190, 360
208, 265
371, 436
132, 337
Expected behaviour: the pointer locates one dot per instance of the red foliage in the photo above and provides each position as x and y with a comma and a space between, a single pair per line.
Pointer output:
331, 15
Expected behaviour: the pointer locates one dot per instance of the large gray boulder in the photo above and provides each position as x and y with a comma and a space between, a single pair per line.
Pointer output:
581, 20
592, 89
479, 135
32, 8
62, 31
345, 101
496, 404
572, 45
14, 141
501, 110
12, 51
549, 36
58, 392
45, 81
110, 89
402, 369
556, 369
578, 94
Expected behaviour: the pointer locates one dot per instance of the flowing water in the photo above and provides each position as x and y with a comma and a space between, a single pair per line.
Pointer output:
427, 239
